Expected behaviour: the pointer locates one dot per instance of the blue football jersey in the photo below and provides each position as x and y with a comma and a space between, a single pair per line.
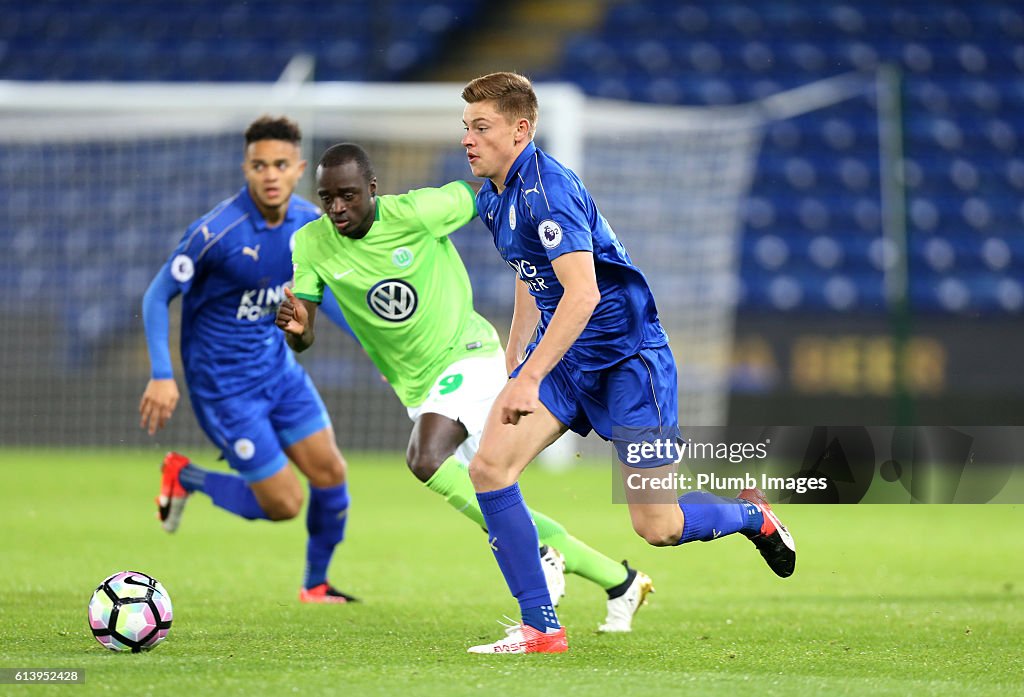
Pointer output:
544, 212
232, 269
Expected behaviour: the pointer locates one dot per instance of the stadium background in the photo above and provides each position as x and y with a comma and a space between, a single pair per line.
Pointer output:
815, 339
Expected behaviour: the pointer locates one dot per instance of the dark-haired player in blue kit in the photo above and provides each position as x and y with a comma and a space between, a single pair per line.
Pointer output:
250, 396
600, 362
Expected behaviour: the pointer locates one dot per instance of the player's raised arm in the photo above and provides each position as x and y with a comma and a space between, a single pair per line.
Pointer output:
296, 317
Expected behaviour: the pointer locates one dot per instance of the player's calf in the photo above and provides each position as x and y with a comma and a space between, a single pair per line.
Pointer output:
660, 525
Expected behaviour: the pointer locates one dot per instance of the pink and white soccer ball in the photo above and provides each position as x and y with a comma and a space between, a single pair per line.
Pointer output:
130, 611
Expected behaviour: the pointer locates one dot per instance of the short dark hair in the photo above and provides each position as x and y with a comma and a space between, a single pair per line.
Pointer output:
341, 153
273, 128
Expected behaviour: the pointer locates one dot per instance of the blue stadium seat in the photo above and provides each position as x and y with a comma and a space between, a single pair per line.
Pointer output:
815, 205
221, 40
812, 237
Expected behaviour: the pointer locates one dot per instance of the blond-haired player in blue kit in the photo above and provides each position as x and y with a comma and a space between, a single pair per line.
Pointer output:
406, 295
600, 362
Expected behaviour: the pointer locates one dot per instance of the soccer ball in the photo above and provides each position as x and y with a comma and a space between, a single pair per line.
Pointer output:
130, 611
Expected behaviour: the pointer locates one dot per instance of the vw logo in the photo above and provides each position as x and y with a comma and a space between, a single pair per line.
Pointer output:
393, 300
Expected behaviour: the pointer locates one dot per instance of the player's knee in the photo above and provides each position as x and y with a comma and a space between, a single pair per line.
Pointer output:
658, 534
488, 474
422, 463
331, 471
284, 507
478, 469
339, 470
282, 512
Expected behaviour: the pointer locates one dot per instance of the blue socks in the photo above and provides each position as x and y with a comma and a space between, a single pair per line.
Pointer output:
542, 618
193, 477
228, 491
325, 518
707, 517
325, 521
513, 539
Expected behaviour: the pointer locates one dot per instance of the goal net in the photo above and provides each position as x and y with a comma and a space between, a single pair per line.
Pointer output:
100, 181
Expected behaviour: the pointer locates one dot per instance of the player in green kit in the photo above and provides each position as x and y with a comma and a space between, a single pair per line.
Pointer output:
406, 295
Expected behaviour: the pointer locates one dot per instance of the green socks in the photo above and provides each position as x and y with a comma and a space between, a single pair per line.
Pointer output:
580, 558
451, 480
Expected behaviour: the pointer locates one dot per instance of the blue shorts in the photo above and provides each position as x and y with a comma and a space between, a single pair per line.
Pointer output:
629, 403
253, 428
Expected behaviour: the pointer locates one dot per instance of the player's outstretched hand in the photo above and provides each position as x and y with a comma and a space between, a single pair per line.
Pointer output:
158, 403
519, 398
292, 315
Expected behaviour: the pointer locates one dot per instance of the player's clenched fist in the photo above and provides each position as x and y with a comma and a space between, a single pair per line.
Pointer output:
292, 315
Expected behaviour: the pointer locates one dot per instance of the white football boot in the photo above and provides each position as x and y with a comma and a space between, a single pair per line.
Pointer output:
622, 609
522, 638
553, 564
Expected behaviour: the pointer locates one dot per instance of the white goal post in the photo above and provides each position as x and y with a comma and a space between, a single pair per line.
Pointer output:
101, 179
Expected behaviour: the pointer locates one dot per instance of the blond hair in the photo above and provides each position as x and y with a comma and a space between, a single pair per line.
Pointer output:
512, 94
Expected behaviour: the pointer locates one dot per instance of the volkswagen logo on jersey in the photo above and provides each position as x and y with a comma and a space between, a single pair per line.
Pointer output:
550, 233
393, 300
182, 268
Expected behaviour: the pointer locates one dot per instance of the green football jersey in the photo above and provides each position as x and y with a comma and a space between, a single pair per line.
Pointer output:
403, 287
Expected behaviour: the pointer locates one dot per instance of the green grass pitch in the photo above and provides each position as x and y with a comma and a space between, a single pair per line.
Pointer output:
886, 600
